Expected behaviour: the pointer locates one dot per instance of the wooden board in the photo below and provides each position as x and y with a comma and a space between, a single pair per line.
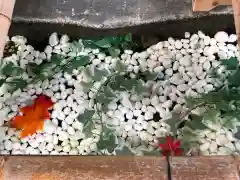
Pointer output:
207, 5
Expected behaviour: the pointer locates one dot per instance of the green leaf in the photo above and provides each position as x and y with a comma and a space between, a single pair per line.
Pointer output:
102, 99
129, 84
33, 68
128, 37
86, 116
87, 86
116, 83
56, 59
103, 43
231, 64
150, 75
87, 129
2, 81
154, 152
173, 123
124, 151
196, 123
107, 91
8, 68
188, 135
90, 44
107, 143
76, 63
114, 52
140, 89
11, 70
233, 80
76, 46
99, 74
120, 67
88, 71
17, 83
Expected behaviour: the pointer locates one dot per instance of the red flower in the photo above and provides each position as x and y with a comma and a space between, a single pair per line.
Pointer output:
170, 147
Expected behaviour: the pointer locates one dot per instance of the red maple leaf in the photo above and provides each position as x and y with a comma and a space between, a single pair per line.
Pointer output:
33, 116
170, 147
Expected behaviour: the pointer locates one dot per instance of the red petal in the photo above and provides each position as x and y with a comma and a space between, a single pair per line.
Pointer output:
177, 144
164, 147
178, 152
170, 142
165, 153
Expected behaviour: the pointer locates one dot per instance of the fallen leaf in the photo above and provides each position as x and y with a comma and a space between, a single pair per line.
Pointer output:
32, 118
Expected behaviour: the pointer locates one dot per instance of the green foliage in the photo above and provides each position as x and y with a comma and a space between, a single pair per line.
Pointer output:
107, 142
17, 83
125, 150
111, 45
112, 83
221, 106
154, 152
75, 63
86, 116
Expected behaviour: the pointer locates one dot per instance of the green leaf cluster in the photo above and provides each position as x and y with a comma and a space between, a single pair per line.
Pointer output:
113, 45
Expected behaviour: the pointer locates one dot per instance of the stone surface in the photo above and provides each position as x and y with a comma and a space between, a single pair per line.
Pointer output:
108, 14
103, 17
214, 168
84, 168
101, 168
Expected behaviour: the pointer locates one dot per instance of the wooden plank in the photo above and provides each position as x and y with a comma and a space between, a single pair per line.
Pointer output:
207, 5
236, 13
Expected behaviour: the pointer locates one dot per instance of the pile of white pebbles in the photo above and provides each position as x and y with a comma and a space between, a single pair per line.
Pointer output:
183, 63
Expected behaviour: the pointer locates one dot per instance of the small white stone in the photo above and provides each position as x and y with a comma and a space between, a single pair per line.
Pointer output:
138, 105
187, 35
55, 140
70, 130
63, 135
206, 65
49, 127
64, 39
16, 145
222, 139
77, 125
230, 146
34, 143
49, 147
8, 145
129, 115
185, 61
112, 105
137, 113
169, 72
207, 40
223, 151
148, 115
73, 151
127, 103
182, 87
53, 39
232, 38
178, 44
74, 143
146, 101
127, 127
213, 147
48, 50
221, 37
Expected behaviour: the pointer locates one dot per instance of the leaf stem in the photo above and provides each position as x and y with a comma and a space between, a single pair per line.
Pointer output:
169, 170
109, 77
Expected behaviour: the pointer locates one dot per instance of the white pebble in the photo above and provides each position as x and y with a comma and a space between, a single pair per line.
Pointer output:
221, 37
53, 39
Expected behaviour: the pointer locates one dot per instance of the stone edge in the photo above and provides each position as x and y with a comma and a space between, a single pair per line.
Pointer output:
70, 167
